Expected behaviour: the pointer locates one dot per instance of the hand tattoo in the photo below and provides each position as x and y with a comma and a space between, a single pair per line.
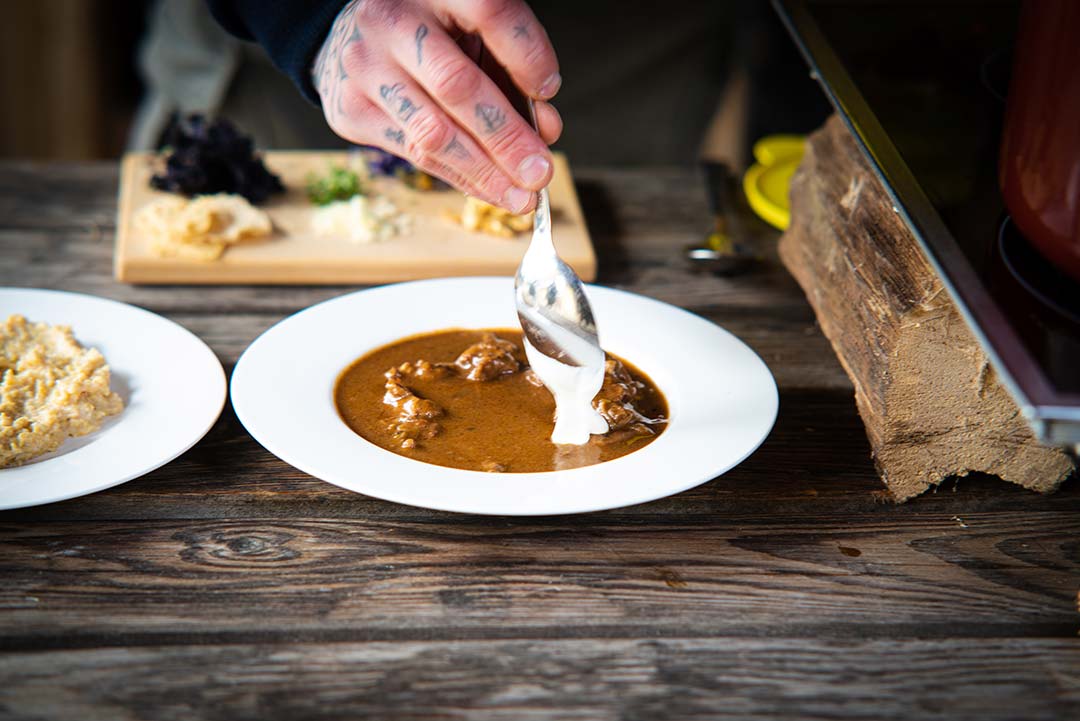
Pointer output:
401, 104
456, 150
421, 33
329, 73
490, 116
398, 136
520, 31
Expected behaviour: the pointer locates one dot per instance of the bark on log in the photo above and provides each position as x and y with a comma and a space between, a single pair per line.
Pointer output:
932, 405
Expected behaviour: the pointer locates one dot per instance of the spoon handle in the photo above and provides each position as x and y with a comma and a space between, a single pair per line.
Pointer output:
542, 218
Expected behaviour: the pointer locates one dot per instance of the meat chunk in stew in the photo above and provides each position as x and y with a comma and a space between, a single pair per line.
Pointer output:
415, 416
490, 358
617, 403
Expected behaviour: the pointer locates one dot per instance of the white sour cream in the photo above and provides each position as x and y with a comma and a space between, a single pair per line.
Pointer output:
574, 388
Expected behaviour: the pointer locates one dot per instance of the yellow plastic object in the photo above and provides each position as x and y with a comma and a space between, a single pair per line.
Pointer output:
766, 183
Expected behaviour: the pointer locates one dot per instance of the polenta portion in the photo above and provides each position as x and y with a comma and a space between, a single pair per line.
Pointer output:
51, 389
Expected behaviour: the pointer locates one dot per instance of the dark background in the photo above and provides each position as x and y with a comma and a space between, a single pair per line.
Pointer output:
69, 85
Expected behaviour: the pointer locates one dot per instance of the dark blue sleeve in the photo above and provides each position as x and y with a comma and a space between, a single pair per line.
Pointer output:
291, 31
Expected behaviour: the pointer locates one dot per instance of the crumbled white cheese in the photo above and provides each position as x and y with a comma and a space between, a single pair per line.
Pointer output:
361, 219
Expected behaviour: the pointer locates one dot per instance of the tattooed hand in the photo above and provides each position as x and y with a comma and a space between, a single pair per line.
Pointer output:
393, 73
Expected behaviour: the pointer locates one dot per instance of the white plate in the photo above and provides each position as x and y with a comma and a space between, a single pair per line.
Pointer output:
172, 385
721, 397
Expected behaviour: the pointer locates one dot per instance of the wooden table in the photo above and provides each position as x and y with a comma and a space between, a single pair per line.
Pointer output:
228, 585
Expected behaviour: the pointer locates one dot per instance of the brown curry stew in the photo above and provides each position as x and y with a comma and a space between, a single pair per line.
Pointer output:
467, 399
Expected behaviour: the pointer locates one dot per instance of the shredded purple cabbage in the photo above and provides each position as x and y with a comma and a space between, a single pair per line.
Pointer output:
213, 157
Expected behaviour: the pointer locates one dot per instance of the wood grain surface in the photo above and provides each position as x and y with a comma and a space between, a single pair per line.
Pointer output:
228, 585
587, 679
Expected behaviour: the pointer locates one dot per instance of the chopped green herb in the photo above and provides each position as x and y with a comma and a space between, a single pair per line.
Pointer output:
339, 183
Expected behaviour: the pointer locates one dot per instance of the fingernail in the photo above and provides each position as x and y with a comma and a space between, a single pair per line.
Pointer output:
517, 199
533, 170
551, 86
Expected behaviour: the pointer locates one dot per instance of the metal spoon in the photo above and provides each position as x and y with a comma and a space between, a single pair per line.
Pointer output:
551, 303
555, 314
561, 342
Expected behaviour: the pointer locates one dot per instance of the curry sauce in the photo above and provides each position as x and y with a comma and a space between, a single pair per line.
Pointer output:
467, 399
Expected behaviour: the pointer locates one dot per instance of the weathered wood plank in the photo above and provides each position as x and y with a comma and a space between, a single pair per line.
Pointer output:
985, 574
632, 680
932, 403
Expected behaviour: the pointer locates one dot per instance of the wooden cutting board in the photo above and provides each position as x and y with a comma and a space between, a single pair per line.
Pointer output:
433, 246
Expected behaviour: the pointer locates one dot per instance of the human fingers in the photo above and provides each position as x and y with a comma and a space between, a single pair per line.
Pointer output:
365, 123
409, 123
515, 37
549, 121
473, 100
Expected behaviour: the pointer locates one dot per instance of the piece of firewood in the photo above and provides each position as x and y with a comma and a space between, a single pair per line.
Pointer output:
931, 402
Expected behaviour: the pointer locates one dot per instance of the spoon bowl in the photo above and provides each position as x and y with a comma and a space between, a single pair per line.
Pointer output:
550, 299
